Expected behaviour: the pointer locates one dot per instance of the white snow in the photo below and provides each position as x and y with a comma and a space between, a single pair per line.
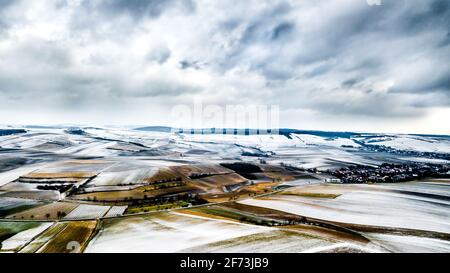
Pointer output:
112, 177
412, 143
317, 140
330, 248
87, 212
166, 233
9, 176
20, 239
116, 211
411, 244
367, 207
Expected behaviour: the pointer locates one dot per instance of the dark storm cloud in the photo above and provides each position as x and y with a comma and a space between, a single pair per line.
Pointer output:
399, 23
186, 64
4, 5
268, 28
138, 9
282, 30
92, 15
442, 84
341, 37
154, 89
350, 82
335, 57
437, 13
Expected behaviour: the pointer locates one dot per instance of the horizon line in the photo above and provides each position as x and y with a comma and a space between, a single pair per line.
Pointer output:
138, 127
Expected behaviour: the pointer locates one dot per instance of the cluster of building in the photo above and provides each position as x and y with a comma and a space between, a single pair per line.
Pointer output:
390, 173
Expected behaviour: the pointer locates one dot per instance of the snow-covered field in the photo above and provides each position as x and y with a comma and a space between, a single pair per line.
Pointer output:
274, 241
9, 176
22, 238
10, 205
87, 212
170, 232
123, 174
375, 205
45, 165
321, 141
115, 211
113, 142
412, 143
411, 244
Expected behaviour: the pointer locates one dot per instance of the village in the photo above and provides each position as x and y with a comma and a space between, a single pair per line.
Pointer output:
390, 173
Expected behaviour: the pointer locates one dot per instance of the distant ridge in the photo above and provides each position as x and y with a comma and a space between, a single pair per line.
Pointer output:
163, 129
206, 131
284, 131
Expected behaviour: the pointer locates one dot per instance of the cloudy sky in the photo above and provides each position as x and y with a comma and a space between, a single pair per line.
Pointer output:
328, 64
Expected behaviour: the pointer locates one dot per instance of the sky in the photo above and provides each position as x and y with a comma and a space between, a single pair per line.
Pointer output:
334, 65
